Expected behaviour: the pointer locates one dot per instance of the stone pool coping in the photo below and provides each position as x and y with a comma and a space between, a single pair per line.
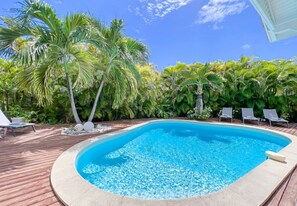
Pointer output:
254, 188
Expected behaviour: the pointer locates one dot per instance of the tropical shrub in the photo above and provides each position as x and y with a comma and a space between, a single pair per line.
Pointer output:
245, 83
199, 115
177, 99
8, 88
18, 111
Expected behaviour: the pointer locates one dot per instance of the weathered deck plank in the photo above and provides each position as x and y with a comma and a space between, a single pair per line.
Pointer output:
286, 194
26, 161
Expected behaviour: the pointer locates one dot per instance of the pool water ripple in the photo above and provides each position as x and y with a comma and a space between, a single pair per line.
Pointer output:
175, 160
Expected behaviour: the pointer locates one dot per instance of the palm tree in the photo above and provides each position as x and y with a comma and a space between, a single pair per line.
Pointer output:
200, 76
178, 98
50, 48
118, 51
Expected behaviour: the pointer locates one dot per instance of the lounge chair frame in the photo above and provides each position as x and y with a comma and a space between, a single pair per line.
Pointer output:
248, 114
7, 124
13, 127
271, 116
226, 113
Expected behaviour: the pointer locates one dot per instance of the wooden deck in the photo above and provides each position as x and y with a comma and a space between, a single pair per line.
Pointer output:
26, 161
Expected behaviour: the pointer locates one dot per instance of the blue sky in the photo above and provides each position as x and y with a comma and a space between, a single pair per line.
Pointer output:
184, 30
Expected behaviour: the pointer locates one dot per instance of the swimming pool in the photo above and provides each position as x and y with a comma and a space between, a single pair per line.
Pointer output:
175, 159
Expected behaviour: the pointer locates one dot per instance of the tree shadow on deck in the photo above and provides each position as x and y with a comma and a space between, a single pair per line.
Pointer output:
29, 149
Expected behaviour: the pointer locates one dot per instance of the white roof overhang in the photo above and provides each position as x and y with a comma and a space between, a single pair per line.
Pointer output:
279, 17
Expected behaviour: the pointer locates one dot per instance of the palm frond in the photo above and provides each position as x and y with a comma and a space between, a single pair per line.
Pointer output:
76, 28
84, 65
115, 31
189, 82
135, 50
36, 13
37, 82
8, 37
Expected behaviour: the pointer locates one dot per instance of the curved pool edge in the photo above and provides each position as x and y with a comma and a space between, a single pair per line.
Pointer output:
254, 188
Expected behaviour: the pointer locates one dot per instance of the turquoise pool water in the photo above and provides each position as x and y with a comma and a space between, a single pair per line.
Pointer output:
175, 159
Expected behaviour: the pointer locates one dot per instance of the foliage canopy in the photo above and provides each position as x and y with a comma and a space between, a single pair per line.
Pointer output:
256, 84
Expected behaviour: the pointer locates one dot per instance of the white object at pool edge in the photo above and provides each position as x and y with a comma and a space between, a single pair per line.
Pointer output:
275, 156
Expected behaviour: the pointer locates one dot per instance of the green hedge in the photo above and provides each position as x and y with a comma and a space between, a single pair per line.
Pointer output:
245, 83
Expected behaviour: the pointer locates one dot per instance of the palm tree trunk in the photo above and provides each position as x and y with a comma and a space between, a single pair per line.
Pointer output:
6, 100
96, 101
199, 103
98, 95
73, 107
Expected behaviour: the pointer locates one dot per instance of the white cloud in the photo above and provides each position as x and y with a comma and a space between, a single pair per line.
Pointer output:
215, 11
246, 46
153, 9
162, 8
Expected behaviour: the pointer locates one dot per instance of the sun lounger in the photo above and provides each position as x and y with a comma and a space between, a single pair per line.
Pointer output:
226, 113
5, 123
271, 116
248, 114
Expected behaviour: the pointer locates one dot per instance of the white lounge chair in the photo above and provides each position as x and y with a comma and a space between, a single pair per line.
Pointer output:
248, 114
272, 116
5, 123
226, 113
